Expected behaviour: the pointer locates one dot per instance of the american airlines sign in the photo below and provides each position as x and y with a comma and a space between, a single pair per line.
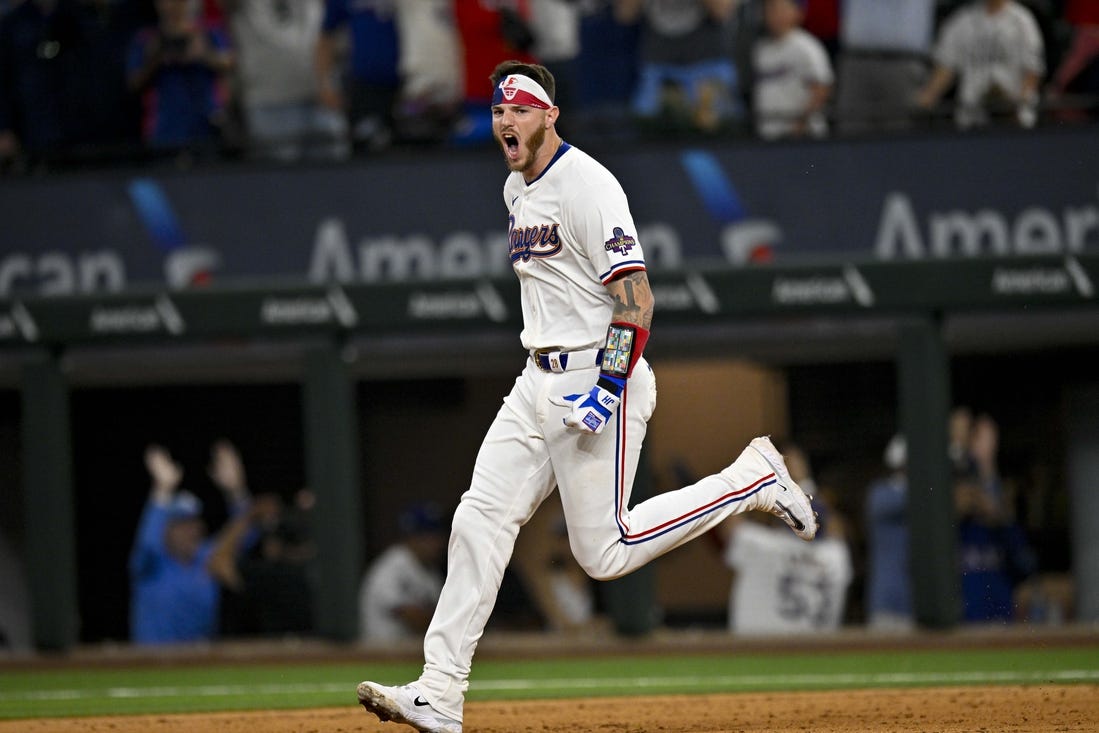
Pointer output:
437, 216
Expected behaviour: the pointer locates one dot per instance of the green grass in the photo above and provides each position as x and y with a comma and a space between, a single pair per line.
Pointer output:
70, 692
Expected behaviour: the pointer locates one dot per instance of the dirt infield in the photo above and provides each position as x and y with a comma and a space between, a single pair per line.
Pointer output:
1027, 709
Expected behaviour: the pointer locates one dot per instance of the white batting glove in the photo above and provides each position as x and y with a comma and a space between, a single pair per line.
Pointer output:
590, 412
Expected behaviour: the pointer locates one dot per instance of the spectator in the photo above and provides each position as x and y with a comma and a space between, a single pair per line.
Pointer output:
687, 78
994, 553
883, 63
994, 49
983, 447
608, 56
889, 580
555, 25
62, 90
491, 31
1078, 72
431, 70
276, 41
958, 430
793, 77
175, 595
269, 588
266, 590
782, 585
367, 92
180, 67
401, 587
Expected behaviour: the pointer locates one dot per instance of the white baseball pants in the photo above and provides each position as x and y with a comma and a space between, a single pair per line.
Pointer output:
525, 454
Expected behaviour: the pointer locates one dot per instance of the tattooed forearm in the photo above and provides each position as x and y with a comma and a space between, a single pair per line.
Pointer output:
633, 299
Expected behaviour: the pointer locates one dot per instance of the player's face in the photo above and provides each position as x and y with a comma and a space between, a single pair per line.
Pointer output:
521, 132
183, 538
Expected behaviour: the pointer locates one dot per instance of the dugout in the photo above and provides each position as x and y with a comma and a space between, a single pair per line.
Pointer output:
348, 412
408, 352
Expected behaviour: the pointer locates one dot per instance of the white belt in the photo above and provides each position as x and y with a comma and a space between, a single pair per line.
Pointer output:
550, 360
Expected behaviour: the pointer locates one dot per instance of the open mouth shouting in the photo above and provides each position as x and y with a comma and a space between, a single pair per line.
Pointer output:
509, 141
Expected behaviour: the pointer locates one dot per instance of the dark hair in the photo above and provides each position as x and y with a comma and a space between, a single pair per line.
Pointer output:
537, 72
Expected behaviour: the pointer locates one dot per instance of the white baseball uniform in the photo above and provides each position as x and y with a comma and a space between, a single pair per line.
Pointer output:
786, 68
783, 585
395, 579
570, 232
989, 51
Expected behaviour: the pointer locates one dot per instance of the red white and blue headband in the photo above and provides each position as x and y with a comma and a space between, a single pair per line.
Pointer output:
519, 89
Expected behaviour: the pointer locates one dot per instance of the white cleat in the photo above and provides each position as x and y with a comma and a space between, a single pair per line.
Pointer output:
406, 705
790, 503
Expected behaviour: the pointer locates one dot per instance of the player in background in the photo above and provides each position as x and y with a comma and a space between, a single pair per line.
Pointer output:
577, 414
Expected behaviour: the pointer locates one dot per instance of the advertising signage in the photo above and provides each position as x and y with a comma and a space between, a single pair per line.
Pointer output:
696, 296
438, 215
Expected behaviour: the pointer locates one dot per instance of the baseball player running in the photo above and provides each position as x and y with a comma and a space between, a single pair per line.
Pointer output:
577, 414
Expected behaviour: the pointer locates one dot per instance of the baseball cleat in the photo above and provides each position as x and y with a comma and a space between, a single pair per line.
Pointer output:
405, 705
790, 503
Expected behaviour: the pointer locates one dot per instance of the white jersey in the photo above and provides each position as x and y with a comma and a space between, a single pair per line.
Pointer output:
394, 580
990, 50
556, 26
430, 51
275, 43
784, 585
785, 70
570, 232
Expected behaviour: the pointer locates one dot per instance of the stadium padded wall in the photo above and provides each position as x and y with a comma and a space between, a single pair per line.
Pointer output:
332, 470
50, 538
1082, 412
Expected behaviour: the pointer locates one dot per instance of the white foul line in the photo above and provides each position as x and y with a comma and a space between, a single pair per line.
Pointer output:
582, 684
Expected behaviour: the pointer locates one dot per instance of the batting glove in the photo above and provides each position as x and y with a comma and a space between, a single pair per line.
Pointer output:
589, 413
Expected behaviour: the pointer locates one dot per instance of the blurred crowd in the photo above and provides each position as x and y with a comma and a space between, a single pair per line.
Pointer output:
105, 81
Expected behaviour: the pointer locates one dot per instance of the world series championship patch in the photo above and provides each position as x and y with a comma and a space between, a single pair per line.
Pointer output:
620, 243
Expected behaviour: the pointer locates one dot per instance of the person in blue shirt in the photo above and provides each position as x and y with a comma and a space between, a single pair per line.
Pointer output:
994, 552
889, 581
368, 92
175, 594
180, 68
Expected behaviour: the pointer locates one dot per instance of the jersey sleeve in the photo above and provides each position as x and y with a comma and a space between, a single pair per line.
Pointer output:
1033, 48
148, 551
951, 41
819, 67
599, 216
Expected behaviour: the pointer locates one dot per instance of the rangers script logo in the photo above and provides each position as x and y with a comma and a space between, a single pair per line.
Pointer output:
620, 243
536, 241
